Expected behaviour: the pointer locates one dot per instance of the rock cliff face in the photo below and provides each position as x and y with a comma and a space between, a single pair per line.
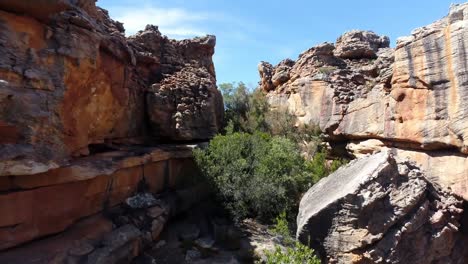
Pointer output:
70, 80
360, 91
78, 100
376, 210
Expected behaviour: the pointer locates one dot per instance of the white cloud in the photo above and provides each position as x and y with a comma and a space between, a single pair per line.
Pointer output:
181, 23
174, 22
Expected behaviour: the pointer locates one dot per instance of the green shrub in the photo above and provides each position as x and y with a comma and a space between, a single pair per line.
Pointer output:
281, 227
249, 112
319, 168
236, 103
300, 254
258, 168
256, 115
254, 175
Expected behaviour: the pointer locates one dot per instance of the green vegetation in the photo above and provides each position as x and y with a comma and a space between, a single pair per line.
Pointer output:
262, 163
294, 252
299, 254
319, 168
281, 227
255, 175
327, 69
236, 103
249, 112
244, 111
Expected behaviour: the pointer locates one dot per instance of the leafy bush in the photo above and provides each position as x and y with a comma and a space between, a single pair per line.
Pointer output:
300, 254
244, 110
319, 168
256, 167
256, 115
281, 227
249, 112
236, 104
282, 123
254, 175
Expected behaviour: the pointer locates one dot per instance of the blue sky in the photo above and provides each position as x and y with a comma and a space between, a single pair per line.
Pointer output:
249, 31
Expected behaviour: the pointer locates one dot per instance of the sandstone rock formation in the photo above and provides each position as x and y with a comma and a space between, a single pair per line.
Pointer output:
49, 202
116, 238
83, 115
376, 210
360, 44
182, 102
411, 97
70, 80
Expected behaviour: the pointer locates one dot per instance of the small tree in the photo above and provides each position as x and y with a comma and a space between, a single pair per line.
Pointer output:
236, 103
256, 115
319, 167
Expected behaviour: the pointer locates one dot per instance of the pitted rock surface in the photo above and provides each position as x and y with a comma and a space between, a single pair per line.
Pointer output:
79, 129
71, 80
358, 44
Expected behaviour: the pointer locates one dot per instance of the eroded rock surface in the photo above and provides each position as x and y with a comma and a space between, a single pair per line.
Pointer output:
375, 210
357, 44
411, 97
70, 80
117, 236
84, 112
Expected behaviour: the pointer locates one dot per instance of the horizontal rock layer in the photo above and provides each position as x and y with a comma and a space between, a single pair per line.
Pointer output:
117, 236
83, 113
39, 205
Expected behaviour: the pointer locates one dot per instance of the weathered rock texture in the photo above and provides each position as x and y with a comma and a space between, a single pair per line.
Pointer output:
412, 97
69, 79
48, 203
83, 111
376, 210
118, 237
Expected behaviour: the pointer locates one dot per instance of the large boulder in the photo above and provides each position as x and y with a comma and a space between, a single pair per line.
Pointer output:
377, 210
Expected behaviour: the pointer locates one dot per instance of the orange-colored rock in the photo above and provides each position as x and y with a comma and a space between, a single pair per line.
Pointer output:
48, 203
48, 210
56, 248
447, 169
82, 108
431, 65
71, 82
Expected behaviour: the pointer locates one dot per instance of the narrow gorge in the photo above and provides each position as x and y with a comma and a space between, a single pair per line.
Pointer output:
98, 130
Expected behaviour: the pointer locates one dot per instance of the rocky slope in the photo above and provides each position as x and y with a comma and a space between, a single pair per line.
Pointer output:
368, 96
83, 113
